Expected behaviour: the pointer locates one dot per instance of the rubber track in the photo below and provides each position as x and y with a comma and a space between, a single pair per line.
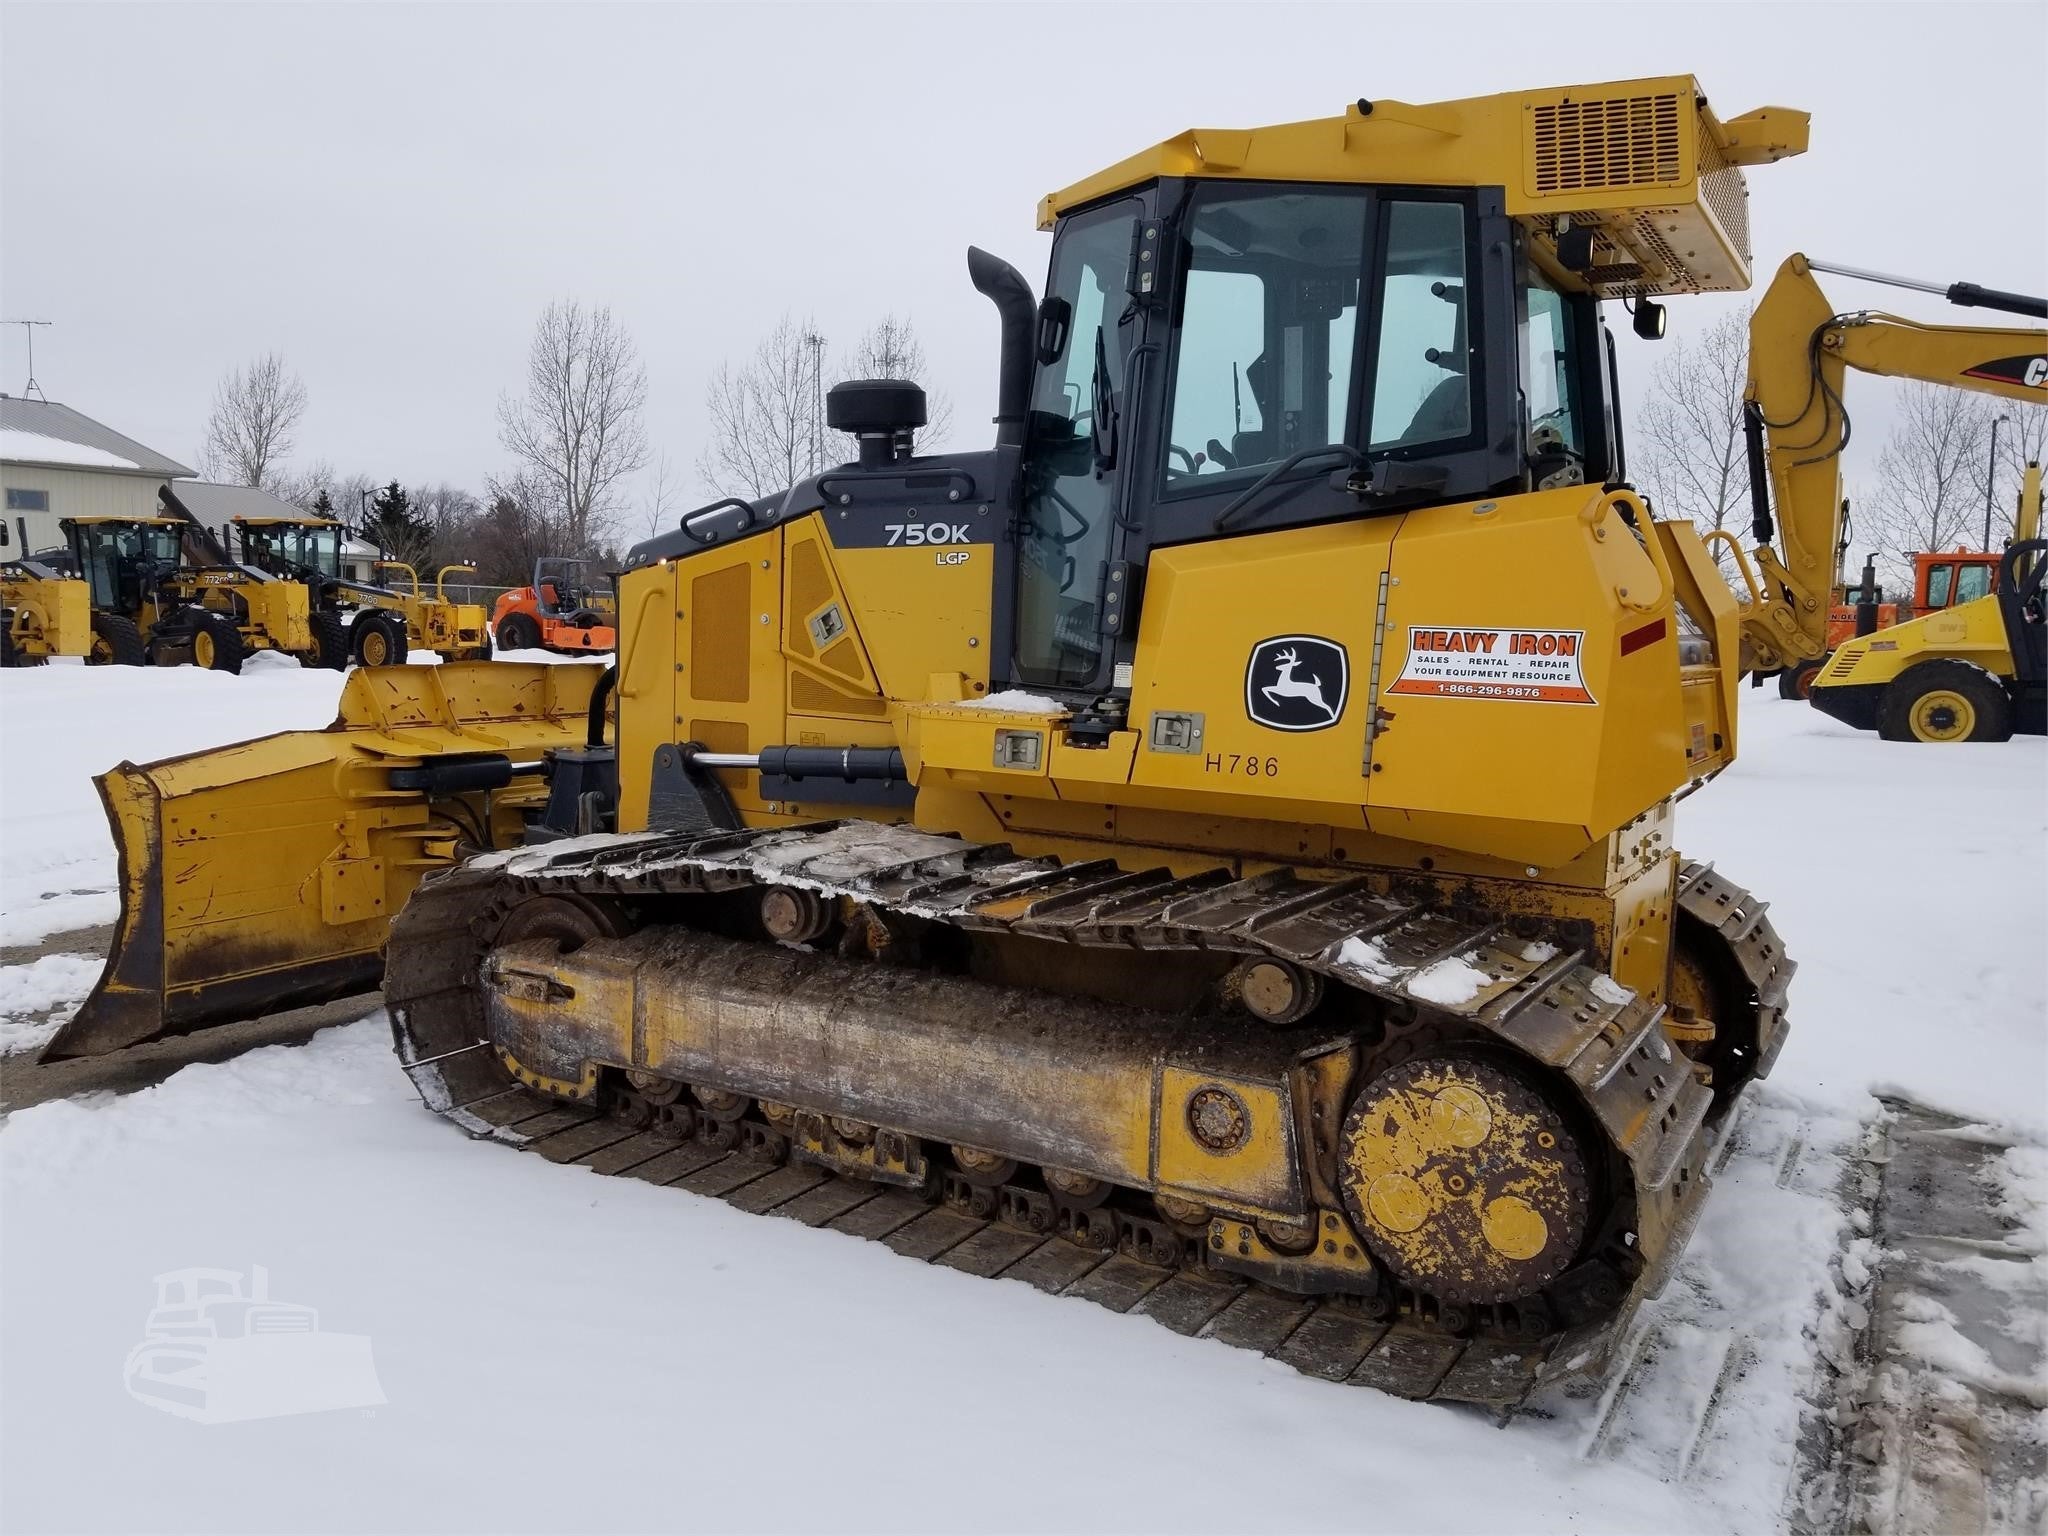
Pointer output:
1547, 1003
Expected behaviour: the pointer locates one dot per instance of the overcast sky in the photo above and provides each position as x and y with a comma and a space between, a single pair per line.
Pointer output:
387, 195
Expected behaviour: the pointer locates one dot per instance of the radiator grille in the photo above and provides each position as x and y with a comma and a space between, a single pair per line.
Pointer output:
844, 657
1625, 141
807, 695
1722, 186
718, 636
720, 735
1650, 240
810, 588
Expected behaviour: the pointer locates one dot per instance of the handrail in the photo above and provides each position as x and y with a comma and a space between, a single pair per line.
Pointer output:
441, 578
401, 565
1646, 528
1742, 566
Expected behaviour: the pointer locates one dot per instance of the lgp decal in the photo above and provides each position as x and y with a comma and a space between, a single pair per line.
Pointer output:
1297, 683
1539, 666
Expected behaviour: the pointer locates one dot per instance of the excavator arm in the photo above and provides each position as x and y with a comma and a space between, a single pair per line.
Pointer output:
1799, 348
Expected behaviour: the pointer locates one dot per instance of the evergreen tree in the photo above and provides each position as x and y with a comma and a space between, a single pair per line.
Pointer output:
395, 528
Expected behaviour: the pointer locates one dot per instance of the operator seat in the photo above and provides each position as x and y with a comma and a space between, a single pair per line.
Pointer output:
1446, 411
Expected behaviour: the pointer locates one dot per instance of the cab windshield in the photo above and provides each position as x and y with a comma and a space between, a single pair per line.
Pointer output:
1939, 579
119, 560
284, 548
319, 549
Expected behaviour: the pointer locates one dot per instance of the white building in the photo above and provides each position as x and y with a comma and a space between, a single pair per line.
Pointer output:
56, 463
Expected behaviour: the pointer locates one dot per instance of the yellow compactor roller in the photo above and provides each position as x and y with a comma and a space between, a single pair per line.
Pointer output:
1214, 846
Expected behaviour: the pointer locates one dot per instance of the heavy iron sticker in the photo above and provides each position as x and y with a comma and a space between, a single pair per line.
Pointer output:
1538, 665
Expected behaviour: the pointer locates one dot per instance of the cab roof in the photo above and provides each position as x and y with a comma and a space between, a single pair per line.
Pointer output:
1646, 161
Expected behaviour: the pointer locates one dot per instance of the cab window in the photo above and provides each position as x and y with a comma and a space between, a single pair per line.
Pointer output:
1548, 368
1939, 580
1264, 352
1422, 384
1972, 582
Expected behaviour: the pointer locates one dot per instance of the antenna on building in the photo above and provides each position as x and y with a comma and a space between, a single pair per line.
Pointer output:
28, 328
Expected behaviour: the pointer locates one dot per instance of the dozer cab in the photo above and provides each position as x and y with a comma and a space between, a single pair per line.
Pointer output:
1219, 839
561, 611
357, 620
45, 610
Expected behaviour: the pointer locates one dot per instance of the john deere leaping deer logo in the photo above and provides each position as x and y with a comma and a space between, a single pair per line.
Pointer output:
1296, 683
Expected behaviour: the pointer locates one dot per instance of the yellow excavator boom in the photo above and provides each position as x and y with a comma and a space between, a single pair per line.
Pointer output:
1800, 348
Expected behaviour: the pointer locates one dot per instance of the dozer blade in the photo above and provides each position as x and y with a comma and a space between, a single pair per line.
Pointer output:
264, 876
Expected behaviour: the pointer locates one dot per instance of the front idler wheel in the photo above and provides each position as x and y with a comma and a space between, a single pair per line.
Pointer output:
1464, 1178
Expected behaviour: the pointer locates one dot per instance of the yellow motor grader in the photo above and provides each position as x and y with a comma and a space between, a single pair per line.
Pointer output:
1212, 851
374, 625
146, 601
44, 610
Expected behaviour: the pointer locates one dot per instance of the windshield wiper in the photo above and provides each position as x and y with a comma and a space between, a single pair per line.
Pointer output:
1348, 455
1102, 407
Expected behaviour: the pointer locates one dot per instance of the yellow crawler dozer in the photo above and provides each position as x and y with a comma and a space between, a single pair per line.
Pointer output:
1211, 851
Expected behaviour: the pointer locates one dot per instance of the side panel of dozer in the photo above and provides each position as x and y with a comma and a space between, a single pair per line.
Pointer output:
264, 876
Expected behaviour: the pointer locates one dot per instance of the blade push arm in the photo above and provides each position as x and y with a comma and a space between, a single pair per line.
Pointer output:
1799, 348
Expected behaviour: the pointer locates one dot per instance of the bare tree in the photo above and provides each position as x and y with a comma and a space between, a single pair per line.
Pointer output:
450, 513
577, 428
890, 349
765, 431
1690, 454
1930, 487
514, 526
302, 487
657, 503
249, 432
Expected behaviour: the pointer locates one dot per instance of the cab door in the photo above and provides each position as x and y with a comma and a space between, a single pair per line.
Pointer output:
1077, 449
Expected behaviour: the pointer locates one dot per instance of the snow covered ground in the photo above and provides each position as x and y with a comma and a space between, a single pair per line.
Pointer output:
562, 1351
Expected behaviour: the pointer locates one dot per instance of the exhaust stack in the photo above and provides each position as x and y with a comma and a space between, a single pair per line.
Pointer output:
1011, 295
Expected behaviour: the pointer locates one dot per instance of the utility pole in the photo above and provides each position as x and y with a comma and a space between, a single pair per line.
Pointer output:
1991, 478
817, 345
28, 329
